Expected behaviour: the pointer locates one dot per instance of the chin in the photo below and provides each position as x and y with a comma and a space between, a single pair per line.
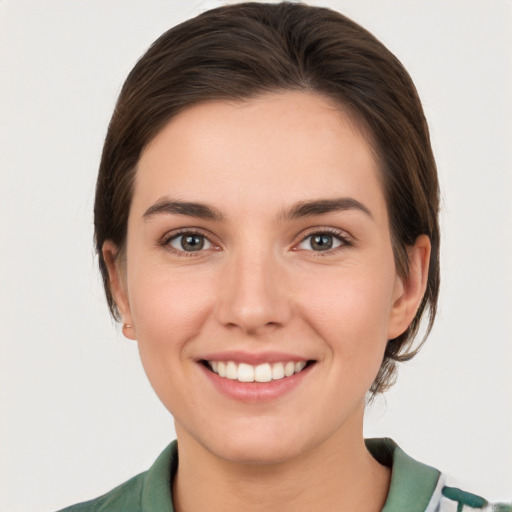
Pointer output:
261, 443
257, 452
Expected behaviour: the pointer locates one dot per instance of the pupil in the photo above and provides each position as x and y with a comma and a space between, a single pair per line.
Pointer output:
192, 243
321, 242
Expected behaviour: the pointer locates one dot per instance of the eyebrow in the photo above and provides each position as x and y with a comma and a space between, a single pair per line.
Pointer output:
168, 206
301, 209
322, 206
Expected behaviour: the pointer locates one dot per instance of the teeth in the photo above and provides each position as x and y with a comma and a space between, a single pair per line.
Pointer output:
245, 372
277, 371
231, 371
299, 366
265, 372
289, 369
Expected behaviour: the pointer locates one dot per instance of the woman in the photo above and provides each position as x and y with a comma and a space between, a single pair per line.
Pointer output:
266, 221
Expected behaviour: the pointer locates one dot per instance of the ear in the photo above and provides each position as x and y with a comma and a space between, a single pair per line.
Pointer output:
117, 281
409, 290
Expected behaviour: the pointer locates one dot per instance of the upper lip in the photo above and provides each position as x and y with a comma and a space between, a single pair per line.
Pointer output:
254, 358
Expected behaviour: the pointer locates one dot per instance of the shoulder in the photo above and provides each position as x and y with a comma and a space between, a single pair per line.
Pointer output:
149, 491
417, 487
125, 497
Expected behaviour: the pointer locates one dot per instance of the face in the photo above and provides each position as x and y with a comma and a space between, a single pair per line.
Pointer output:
259, 277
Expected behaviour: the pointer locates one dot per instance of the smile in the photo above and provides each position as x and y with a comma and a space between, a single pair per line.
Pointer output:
265, 372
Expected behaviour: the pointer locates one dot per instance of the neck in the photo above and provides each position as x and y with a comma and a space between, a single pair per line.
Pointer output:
339, 475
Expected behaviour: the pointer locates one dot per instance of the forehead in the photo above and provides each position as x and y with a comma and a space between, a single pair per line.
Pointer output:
290, 146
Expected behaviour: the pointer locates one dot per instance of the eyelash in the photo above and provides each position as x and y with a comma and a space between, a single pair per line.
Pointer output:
175, 235
340, 236
344, 240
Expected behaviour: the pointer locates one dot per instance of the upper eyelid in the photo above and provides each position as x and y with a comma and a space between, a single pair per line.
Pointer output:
338, 232
343, 236
341, 233
173, 233
165, 242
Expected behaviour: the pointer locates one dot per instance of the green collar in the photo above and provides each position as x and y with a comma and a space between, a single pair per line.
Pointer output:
156, 491
412, 483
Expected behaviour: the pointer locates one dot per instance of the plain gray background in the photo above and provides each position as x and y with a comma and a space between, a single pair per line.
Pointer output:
76, 413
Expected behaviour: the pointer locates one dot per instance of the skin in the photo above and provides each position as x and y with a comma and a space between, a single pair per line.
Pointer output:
259, 285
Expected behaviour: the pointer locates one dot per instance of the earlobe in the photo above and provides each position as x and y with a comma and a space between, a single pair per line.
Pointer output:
409, 290
118, 286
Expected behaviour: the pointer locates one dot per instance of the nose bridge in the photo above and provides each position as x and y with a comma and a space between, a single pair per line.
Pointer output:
253, 295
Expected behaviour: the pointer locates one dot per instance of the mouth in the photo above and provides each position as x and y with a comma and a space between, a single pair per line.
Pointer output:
265, 372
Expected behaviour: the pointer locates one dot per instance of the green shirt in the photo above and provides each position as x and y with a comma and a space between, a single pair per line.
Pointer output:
415, 487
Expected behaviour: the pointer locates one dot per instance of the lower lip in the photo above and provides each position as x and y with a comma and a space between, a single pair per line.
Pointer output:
255, 391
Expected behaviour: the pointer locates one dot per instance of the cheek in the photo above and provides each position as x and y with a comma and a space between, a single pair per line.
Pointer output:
351, 312
168, 308
168, 311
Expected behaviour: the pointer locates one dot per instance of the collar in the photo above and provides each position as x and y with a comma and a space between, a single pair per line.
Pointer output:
412, 483
156, 493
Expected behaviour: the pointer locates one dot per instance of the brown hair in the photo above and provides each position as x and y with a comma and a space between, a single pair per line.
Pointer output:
242, 50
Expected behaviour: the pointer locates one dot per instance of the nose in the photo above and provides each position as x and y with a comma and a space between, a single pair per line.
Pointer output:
254, 296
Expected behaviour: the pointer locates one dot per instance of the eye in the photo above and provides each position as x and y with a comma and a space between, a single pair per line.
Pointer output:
189, 242
322, 241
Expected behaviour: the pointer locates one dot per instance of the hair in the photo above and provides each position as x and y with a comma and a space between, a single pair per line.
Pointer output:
240, 51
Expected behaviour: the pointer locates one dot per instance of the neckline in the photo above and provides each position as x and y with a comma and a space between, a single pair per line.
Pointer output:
411, 489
